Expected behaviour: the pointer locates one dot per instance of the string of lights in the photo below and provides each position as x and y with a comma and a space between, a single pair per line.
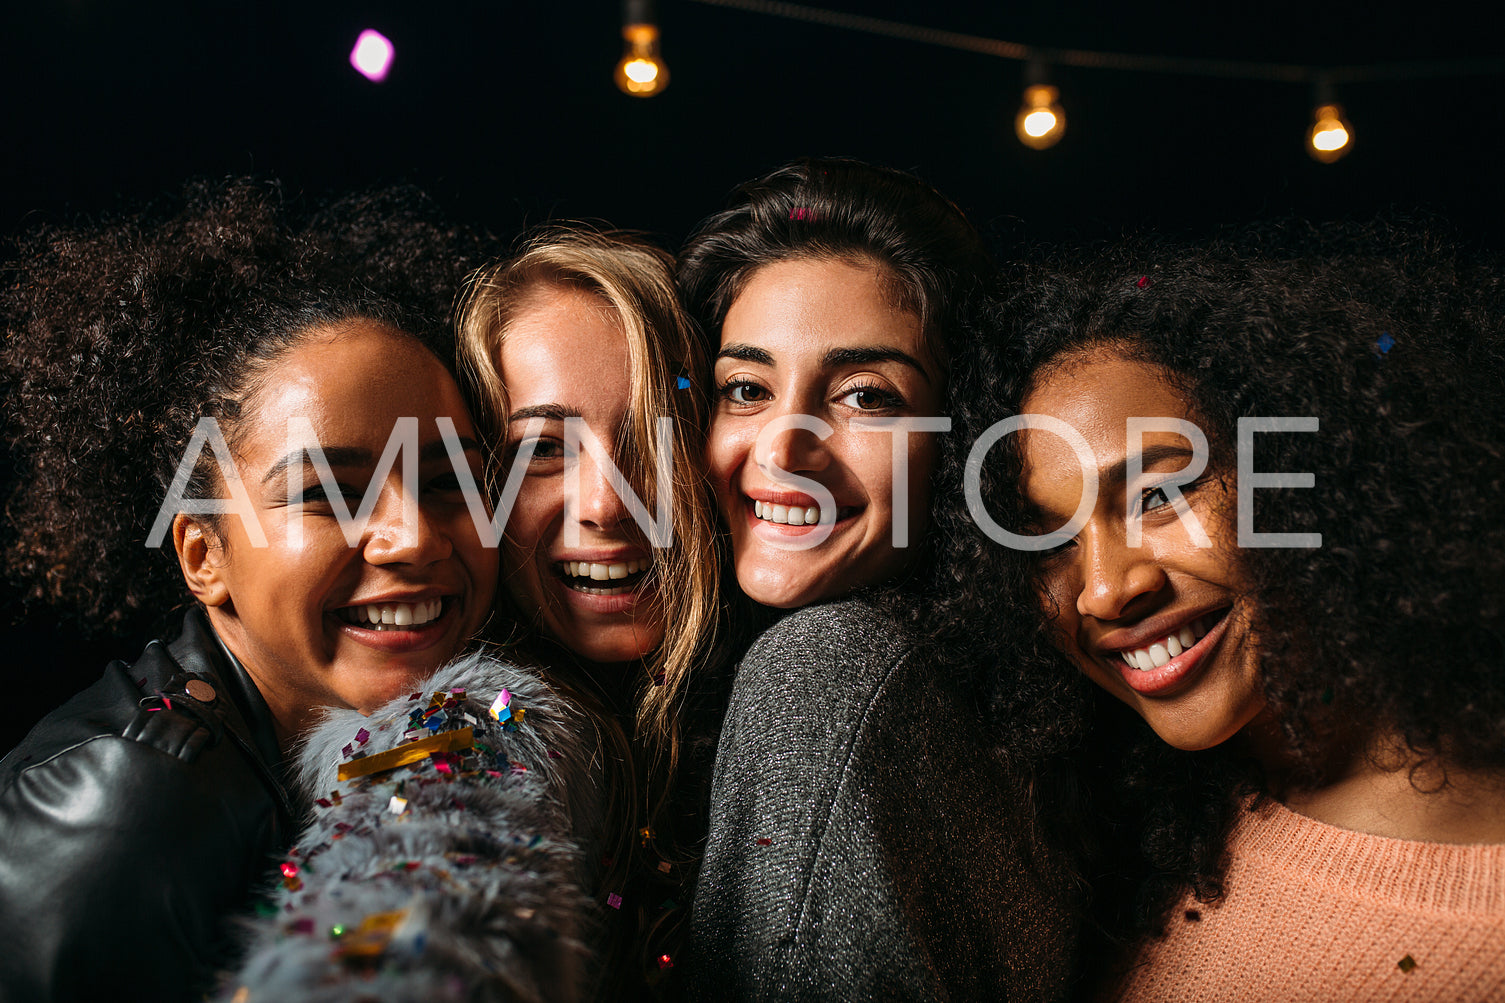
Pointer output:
1041, 121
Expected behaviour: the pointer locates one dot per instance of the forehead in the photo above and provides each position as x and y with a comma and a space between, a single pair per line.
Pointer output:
1096, 393
815, 304
563, 345
352, 383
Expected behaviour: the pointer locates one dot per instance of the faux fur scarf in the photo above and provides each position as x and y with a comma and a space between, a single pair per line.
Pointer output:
455, 877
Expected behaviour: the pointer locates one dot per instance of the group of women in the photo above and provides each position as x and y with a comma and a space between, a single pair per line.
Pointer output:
728, 627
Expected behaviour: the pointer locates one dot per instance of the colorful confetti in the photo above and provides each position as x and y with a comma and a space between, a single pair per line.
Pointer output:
397, 805
614, 900
1406, 964
1383, 346
412, 752
764, 841
682, 383
664, 961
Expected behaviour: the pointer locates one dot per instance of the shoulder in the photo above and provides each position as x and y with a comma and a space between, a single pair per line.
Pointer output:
834, 651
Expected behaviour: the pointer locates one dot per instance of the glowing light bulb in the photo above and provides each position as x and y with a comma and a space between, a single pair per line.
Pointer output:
1041, 121
1330, 137
372, 55
641, 71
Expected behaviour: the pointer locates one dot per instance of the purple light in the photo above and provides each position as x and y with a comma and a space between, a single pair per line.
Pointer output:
372, 55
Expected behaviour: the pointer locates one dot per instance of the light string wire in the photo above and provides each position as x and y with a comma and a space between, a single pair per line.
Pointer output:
1228, 68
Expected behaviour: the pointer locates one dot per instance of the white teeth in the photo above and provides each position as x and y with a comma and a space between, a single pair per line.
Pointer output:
1168, 647
603, 572
786, 515
394, 615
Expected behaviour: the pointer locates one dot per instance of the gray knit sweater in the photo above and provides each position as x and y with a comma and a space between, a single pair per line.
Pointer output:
864, 844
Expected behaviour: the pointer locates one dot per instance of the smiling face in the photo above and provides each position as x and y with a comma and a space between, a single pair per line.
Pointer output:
316, 621
564, 355
819, 339
1164, 626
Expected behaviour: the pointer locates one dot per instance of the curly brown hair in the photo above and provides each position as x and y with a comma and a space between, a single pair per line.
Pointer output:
1395, 339
121, 333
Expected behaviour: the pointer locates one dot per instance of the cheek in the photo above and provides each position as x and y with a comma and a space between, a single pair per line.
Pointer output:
728, 444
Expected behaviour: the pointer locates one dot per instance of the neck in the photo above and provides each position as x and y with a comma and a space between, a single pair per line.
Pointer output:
1387, 790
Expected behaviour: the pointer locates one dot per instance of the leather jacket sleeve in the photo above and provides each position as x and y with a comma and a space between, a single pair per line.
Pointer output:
127, 836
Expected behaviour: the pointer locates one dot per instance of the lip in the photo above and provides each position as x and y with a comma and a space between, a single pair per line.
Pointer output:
397, 642
1175, 674
778, 530
603, 556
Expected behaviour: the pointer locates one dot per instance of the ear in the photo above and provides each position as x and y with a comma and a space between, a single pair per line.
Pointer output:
200, 555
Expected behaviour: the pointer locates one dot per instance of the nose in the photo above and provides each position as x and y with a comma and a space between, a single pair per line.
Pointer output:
1114, 575
600, 506
794, 443
403, 531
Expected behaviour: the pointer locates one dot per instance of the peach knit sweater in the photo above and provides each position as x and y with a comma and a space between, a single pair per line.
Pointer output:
1314, 912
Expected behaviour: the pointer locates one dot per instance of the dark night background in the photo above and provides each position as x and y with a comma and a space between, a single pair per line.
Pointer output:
506, 113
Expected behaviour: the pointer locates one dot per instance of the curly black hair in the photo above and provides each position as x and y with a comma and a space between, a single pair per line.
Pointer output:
121, 333
1394, 338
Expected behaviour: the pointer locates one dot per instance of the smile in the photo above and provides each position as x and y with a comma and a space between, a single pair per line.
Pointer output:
1158, 653
393, 615
794, 515
592, 578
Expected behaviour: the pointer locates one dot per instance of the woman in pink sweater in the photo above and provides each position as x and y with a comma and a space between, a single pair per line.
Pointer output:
1259, 500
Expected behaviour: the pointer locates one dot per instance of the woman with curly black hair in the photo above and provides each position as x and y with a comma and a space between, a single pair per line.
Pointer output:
1258, 498
864, 841
235, 383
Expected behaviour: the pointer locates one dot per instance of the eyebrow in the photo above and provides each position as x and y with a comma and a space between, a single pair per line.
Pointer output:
552, 412
1151, 456
746, 353
835, 357
357, 456
1118, 474
863, 356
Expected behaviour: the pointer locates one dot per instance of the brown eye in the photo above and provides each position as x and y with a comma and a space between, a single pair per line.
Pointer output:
871, 399
743, 392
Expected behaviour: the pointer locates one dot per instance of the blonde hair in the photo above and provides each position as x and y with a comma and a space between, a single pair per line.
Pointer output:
636, 280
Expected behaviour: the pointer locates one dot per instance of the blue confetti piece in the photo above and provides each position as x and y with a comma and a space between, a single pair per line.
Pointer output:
1385, 343
682, 383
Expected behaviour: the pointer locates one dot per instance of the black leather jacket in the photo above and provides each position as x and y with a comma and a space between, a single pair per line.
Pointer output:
130, 831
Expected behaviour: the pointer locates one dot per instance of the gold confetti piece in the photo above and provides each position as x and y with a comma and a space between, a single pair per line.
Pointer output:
371, 937
1406, 964
412, 752
397, 805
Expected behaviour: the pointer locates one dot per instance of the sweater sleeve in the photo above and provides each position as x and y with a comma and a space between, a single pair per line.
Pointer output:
865, 842
794, 899
453, 876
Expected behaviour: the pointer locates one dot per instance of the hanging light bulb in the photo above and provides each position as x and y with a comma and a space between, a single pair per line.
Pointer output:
1331, 136
641, 72
1041, 121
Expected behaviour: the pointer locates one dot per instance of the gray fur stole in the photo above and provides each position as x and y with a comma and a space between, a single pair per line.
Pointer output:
454, 877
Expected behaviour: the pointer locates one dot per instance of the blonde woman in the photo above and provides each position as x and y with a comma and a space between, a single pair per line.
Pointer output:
561, 875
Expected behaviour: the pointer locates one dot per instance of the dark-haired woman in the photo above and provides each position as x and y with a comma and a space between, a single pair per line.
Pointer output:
864, 841
225, 354
1287, 589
